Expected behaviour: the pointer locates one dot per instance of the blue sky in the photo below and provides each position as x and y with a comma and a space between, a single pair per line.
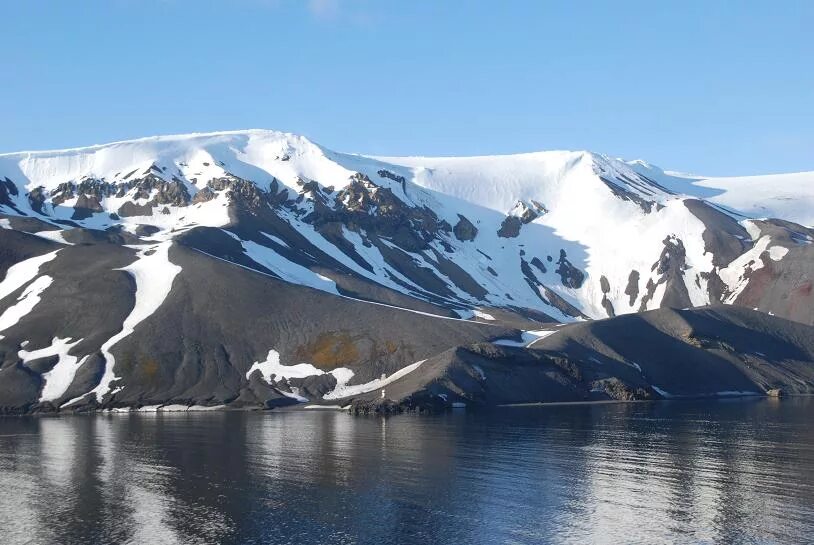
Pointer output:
711, 87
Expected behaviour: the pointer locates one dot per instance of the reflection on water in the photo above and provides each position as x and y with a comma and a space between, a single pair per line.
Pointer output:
731, 472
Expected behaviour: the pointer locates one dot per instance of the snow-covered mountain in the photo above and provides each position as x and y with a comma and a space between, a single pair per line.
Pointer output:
483, 245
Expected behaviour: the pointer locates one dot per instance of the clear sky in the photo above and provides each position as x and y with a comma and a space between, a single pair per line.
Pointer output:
711, 87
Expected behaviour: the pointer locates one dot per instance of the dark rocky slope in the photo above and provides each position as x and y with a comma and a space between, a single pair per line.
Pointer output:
661, 354
196, 349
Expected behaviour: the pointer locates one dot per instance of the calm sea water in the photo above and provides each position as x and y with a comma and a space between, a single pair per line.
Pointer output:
680, 472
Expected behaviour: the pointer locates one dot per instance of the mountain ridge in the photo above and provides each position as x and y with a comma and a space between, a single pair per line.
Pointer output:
505, 246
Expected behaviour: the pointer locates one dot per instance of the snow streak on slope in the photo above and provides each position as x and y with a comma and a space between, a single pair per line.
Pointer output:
287, 270
25, 303
23, 272
343, 390
153, 273
59, 378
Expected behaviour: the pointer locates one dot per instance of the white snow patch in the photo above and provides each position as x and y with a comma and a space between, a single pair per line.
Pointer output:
173, 408
343, 390
154, 274
482, 315
294, 394
272, 367
24, 271
25, 303
56, 236
662, 393
776, 253
734, 274
59, 378
752, 228
288, 270
528, 338
278, 240
273, 371
205, 408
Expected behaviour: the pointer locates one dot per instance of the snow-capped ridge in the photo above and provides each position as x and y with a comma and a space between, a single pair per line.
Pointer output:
571, 234
158, 139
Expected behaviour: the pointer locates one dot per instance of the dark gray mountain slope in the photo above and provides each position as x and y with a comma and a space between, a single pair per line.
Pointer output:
217, 321
660, 354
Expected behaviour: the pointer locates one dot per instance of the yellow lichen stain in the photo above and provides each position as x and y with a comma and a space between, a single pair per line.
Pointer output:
329, 351
149, 368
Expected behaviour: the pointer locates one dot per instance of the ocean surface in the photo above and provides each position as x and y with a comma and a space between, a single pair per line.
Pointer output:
738, 471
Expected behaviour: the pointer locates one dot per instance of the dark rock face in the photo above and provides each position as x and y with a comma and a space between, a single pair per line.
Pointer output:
243, 194
204, 195
36, 198
562, 305
619, 390
395, 177
670, 267
545, 294
521, 214
7, 190
724, 237
606, 304
539, 264
146, 230
172, 193
464, 230
130, 209
632, 288
626, 195
86, 206
364, 206
570, 276
510, 228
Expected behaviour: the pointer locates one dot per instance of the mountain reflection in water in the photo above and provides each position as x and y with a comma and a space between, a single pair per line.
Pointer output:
690, 472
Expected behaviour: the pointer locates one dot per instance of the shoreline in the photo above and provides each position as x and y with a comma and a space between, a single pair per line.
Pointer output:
337, 408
